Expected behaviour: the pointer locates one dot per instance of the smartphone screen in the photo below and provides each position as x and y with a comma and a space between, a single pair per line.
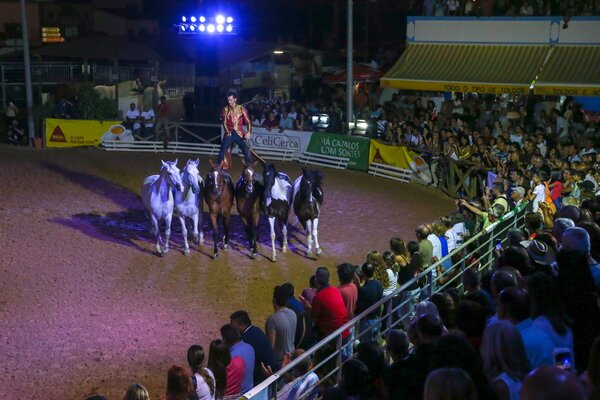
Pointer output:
562, 358
498, 244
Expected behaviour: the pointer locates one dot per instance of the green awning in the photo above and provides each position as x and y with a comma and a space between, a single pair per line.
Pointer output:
571, 70
467, 68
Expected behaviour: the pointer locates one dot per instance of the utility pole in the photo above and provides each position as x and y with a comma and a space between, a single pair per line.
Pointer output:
349, 72
27, 62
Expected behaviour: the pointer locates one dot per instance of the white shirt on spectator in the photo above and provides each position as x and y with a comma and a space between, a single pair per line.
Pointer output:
148, 116
543, 149
540, 196
437, 246
133, 115
451, 239
460, 232
562, 127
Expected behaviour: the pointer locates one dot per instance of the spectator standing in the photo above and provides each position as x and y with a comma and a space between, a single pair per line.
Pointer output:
505, 362
425, 247
10, 112
280, 326
271, 122
16, 135
202, 378
370, 293
238, 348
255, 337
409, 296
328, 309
578, 239
513, 306
311, 290
552, 383
228, 372
148, 119
136, 392
163, 113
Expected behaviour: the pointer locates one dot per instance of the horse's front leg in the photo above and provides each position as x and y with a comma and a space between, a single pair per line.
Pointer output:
285, 240
168, 219
199, 225
215, 226
196, 237
156, 232
272, 224
309, 238
316, 235
184, 232
254, 227
226, 230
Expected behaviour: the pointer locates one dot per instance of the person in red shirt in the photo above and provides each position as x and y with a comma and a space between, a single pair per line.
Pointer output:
234, 118
163, 112
328, 310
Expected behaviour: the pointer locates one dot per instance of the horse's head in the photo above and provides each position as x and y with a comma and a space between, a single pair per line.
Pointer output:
269, 175
215, 179
191, 175
171, 173
311, 179
249, 176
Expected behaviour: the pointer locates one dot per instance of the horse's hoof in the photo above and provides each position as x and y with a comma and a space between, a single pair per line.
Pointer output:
273, 258
186, 252
196, 239
309, 254
201, 241
253, 255
165, 251
319, 251
162, 253
284, 250
215, 256
225, 246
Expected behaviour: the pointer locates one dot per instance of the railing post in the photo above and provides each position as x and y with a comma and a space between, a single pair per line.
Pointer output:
338, 358
390, 307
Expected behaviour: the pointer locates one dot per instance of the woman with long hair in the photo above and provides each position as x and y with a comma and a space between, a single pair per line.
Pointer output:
505, 362
374, 257
203, 378
449, 384
228, 372
179, 385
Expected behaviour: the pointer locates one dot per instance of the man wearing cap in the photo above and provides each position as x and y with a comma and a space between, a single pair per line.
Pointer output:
517, 195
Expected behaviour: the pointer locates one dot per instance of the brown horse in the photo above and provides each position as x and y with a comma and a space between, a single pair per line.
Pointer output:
248, 194
219, 199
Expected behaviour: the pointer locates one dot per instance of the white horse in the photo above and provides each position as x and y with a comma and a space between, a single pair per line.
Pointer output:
186, 203
157, 197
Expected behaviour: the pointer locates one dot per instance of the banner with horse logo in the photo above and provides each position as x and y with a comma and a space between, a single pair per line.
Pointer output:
76, 133
356, 149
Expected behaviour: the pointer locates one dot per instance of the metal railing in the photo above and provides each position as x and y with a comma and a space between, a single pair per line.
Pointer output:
328, 354
192, 132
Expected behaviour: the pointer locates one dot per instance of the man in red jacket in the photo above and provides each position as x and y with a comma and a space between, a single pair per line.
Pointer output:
234, 118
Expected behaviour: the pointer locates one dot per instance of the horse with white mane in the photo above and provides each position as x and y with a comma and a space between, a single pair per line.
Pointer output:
157, 196
277, 201
187, 203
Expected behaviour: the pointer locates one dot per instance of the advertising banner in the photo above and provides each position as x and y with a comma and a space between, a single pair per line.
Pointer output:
286, 140
396, 156
75, 132
354, 148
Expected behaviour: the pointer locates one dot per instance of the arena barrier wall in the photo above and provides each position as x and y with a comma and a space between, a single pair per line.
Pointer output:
328, 354
286, 141
356, 149
75, 132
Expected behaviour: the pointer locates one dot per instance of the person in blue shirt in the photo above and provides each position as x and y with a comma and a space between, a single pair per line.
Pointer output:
513, 306
239, 348
255, 337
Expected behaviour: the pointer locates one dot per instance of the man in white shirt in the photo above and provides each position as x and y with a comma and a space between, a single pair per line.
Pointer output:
539, 192
148, 118
562, 126
133, 118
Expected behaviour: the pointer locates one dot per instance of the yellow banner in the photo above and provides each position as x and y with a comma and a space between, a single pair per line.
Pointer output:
494, 88
75, 132
396, 156
572, 90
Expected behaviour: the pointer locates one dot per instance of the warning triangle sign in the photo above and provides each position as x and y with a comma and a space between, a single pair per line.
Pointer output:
58, 135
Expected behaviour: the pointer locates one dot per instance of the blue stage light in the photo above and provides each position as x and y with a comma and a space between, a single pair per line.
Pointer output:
202, 19
183, 19
182, 28
220, 19
229, 20
202, 28
210, 28
229, 28
193, 28
220, 28
193, 19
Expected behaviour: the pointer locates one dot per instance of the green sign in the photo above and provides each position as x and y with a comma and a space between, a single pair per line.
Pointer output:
356, 149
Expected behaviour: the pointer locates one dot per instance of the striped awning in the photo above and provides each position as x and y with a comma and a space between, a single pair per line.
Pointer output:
571, 71
467, 68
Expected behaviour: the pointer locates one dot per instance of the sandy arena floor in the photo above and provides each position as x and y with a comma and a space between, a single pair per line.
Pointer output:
85, 305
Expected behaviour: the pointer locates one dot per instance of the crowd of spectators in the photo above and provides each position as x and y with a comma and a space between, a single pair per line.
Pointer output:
509, 8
